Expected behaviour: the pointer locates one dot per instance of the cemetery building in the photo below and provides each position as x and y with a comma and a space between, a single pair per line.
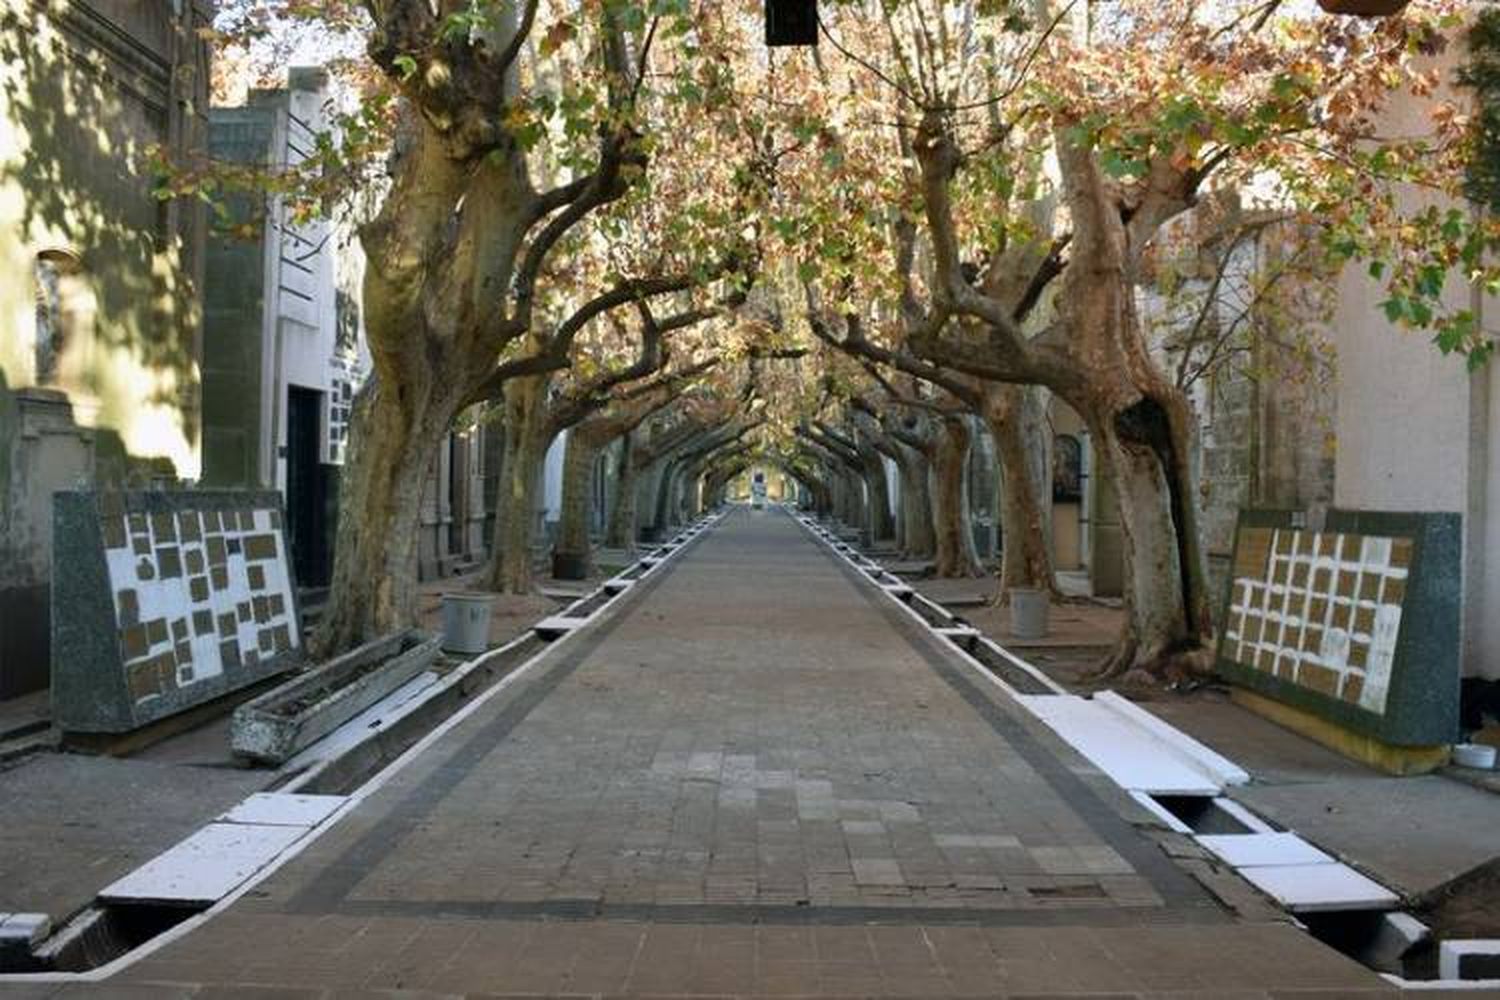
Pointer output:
100, 286
284, 353
283, 341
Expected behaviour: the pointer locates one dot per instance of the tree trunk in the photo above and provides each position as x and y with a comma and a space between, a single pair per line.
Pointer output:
952, 526
920, 541
851, 498
654, 495
1015, 421
1146, 450
526, 441
620, 533
392, 444
572, 555
882, 521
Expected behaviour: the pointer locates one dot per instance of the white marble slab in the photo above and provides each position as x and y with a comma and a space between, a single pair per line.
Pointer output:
359, 728
1257, 850
284, 809
207, 866
1134, 759
1226, 771
1310, 888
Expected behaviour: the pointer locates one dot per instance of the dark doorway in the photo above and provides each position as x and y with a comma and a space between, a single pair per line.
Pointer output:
458, 493
308, 489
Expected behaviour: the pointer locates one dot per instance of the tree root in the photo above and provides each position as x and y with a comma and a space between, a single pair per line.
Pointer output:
1173, 664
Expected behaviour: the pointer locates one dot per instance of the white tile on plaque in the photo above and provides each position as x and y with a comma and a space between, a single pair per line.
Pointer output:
1257, 850
1310, 888
207, 866
284, 809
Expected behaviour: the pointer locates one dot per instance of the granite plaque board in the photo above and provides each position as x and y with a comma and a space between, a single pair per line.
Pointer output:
165, 600
1357, 622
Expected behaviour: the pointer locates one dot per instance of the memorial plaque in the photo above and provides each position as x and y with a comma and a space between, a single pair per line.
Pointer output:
139, 632
1357, 622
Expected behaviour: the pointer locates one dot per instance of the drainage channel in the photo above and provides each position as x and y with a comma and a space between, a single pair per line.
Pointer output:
225, 858
1354, 916
1180, 782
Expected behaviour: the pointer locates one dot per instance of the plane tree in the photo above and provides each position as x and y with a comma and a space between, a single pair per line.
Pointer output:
1141, 110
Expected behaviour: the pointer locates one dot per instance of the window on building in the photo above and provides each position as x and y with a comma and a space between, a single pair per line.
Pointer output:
64, 312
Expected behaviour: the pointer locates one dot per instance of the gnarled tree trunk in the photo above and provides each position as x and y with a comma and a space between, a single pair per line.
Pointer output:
527, 436
392, 445
956, 554
1146, 449
621, 531
1017, 424
919, 540
572, 555
882, 520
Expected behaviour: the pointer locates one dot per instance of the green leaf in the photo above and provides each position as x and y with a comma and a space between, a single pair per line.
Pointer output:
1116, 165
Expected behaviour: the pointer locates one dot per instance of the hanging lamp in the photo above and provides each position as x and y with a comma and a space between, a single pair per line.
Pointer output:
791, 22
1364, 8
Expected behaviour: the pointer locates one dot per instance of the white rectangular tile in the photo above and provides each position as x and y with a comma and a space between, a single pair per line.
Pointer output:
1257, 850
1224, 770
558, 625
1132, 757
207, 866
1310, 888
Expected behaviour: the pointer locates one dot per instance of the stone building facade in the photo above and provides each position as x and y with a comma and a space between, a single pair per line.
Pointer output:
100, 279
285, 353
284, 343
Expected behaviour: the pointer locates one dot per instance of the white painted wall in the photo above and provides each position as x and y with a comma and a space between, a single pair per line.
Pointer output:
1415, 430
304, 267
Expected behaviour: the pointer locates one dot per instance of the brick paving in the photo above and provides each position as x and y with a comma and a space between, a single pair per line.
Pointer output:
755, 778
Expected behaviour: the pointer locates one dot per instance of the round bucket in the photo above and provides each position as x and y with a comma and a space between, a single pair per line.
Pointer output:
466, 622
1028, 613
1476, 755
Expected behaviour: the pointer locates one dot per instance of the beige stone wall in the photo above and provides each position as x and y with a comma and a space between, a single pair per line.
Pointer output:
86, 91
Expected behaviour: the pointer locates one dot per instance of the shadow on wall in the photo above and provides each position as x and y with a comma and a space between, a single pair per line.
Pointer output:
99, 312
106, 268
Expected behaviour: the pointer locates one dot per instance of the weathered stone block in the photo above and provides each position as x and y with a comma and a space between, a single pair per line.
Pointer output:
274, 726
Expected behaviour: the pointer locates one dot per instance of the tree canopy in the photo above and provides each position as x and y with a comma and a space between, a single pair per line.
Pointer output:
944, 209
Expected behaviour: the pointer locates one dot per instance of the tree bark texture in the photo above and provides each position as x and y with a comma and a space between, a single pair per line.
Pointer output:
1017, 423
528, 434
956, 554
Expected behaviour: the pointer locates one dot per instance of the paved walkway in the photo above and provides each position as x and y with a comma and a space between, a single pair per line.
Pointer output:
755, 778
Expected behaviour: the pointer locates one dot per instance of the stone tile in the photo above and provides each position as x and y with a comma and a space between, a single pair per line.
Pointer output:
877, 871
